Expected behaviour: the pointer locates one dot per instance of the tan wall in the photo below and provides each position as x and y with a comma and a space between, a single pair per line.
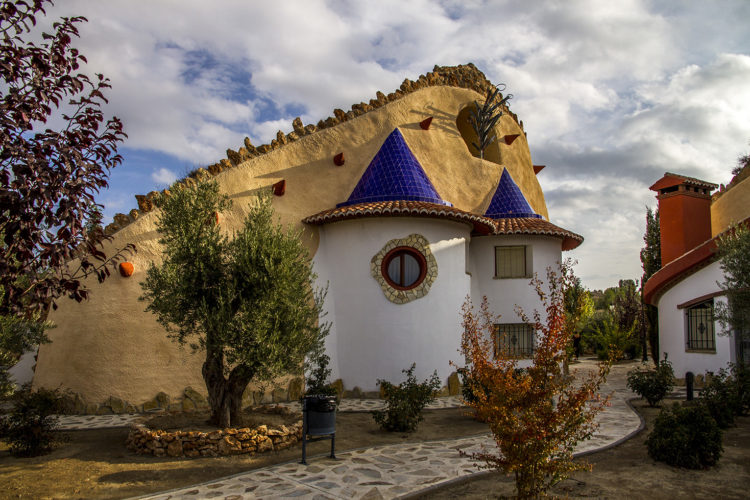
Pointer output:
731, 207
108, 346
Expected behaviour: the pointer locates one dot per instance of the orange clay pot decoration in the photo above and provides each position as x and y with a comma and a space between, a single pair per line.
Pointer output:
126, 269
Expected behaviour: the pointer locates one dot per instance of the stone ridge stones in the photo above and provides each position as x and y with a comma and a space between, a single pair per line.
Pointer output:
419, 243
465, 76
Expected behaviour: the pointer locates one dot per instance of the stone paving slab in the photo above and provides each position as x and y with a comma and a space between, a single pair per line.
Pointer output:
87, 422
397, 470
386, 471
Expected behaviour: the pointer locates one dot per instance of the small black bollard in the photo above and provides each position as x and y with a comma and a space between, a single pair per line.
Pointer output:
689, 381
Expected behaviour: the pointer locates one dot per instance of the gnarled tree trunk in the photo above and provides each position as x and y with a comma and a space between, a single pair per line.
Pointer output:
225, 393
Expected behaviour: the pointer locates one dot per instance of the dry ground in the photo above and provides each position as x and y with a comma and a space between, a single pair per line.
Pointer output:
95, 464
626, 471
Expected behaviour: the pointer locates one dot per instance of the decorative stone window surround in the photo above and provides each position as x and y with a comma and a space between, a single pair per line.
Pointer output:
418, 243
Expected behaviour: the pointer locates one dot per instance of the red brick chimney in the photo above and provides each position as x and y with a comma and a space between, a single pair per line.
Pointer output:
684, 214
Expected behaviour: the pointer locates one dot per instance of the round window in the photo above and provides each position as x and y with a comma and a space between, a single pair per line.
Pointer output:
404, 268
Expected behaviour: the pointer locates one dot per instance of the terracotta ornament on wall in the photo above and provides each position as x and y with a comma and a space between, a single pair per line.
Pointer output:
425, 124
538, 168
339, 160
279, 188
126, 269
510, 138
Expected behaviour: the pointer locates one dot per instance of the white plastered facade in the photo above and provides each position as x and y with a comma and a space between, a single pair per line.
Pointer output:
673, 325
373, 338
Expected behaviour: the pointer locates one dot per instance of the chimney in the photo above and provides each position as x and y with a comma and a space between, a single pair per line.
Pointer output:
684, 214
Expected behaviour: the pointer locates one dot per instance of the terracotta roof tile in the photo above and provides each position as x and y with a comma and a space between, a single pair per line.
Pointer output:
528, 225
401, 209
483, 225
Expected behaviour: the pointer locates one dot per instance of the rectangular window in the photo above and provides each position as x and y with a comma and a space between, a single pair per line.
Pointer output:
515, 339
511, 262
700, 327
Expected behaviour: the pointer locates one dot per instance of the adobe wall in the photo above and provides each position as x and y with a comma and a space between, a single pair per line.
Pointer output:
109, 346
731, 206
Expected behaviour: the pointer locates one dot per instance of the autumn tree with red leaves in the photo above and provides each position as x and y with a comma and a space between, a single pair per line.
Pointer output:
537, 414
48, 178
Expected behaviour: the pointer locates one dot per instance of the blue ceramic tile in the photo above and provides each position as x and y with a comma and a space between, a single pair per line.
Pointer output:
508, 201
394, 175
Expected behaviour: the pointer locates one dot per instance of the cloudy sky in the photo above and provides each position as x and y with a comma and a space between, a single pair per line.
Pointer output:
612, 94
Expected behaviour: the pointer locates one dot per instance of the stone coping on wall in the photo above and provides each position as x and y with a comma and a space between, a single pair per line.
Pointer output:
465, 76
220, 442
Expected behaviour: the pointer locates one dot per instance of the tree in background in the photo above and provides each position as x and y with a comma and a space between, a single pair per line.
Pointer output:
48, 178
537, 415
248, 302
734, 315
610, 330
651, 262
484, 118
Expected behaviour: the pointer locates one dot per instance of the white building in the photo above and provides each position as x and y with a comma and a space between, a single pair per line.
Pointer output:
686, 289
402, 218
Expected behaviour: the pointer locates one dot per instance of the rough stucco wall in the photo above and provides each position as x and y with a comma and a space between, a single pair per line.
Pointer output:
110, 346
733, 206
672, 338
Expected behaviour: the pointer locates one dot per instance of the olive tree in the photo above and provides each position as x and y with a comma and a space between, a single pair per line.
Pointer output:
248, 301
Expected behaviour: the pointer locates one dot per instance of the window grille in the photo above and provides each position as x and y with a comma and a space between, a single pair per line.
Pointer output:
515, 339
700, 327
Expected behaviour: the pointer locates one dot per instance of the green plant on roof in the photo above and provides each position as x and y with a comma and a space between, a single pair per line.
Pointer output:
484, 118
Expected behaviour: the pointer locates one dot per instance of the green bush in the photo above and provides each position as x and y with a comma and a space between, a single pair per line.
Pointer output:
724, 393
29, 429
653, 385
317, 374
741, 375
685, 437
405, 401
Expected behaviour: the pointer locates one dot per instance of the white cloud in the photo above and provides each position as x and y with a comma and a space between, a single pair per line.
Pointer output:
612, 94
164, 176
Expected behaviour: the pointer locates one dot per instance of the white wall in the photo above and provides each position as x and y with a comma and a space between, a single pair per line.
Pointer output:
375, 338
672, 331
507, 293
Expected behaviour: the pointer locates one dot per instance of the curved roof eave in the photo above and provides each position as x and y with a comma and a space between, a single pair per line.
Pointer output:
683, 266
688, 263
481, 224
401, 208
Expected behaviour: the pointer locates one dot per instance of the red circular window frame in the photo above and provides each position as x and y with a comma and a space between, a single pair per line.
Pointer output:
393, 254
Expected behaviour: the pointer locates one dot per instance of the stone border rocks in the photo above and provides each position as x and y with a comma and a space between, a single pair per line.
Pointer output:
220, 442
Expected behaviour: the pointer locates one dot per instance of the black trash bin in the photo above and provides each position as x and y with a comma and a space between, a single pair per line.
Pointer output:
318, 421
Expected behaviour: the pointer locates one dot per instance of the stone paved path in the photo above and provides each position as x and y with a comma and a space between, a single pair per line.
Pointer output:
82, 422
397, 470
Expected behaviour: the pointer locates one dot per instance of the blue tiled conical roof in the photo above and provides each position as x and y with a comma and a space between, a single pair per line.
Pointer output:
508, 201
394, 175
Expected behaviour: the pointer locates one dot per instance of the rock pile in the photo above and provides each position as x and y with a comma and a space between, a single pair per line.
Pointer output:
210, 444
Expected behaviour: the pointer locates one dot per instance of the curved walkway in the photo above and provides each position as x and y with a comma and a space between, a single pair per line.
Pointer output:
393, 470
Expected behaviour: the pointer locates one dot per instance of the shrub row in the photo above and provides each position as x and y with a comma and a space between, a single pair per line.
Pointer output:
691, 437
